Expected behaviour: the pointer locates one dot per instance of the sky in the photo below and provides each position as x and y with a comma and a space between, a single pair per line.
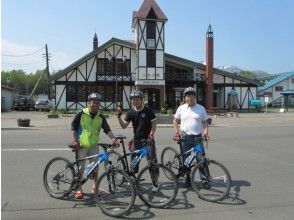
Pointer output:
250, 34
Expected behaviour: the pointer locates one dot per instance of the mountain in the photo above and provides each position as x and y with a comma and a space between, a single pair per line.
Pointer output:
230, 68
234, 69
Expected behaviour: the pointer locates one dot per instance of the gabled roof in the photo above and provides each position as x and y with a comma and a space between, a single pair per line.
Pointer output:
167, 57
281, 77
92, 54
145, 8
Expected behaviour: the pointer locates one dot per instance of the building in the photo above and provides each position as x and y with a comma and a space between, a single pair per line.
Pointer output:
7, 95
275, 88
117, 67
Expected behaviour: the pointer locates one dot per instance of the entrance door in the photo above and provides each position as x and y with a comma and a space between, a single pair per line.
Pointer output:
152, 98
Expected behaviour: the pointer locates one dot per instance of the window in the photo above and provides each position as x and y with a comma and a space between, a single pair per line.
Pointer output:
151, 29
279, 88
71, 93
151, 58
101, 66
292, 80
82, 93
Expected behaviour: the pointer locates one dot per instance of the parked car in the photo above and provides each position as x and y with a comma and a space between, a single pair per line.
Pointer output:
44, 104
22, 102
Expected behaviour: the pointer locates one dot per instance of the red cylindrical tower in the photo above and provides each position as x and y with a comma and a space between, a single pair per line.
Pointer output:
209, 69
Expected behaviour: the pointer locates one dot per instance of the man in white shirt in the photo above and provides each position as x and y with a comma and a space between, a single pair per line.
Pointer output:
192, 118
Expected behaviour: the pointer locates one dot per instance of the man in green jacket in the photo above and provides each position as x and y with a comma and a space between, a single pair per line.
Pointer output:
86, 127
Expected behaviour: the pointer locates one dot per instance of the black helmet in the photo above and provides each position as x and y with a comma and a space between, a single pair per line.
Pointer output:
137, 93
190, 90
94, 96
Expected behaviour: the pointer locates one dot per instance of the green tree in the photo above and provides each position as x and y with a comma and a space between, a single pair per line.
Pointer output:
25, 83
247, 74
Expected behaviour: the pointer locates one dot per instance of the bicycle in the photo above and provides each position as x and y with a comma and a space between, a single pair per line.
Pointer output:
209, 178
61, 177
154, 189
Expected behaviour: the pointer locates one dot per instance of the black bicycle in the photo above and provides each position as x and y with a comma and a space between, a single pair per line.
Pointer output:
209, 178
156, 184
115, 198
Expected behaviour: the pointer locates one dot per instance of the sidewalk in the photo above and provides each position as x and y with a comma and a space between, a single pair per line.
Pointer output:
39, 120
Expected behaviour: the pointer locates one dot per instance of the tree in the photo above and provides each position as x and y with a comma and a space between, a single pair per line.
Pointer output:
25, 83
248, 74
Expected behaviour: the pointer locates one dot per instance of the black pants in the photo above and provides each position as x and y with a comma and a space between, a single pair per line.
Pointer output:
151, 152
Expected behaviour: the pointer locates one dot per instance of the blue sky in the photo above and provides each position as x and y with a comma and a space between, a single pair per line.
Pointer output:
251, 34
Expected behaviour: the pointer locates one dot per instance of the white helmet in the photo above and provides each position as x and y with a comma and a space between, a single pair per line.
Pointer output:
190, 90
137, 93
94, 96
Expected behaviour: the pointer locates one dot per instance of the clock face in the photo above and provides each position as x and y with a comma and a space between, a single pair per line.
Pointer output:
150, 43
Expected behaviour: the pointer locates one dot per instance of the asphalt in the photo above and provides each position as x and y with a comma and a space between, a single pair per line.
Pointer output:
40, 120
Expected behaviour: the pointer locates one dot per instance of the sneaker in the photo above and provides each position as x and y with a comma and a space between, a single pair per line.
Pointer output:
155, 189
79, 195
188, 181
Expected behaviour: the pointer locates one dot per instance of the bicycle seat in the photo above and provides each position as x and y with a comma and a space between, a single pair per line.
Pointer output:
120, 137
71, 146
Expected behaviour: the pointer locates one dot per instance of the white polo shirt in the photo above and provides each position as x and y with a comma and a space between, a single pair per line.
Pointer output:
191, 118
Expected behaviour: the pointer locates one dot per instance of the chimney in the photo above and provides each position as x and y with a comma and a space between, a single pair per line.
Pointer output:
209, 69
95, 42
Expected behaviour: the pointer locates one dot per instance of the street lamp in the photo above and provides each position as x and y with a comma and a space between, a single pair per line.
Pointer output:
113, 59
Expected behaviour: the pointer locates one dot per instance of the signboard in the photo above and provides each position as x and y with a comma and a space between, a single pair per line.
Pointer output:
149, 82
266, 99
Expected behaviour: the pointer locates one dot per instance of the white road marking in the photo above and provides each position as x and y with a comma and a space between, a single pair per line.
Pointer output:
42, 149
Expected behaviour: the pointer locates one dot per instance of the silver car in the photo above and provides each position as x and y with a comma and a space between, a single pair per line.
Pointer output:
44, 104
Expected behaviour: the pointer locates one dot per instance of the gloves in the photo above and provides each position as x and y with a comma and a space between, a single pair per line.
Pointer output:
119, 112
115, 143
151, 136
206, 137
177, 136
76, 144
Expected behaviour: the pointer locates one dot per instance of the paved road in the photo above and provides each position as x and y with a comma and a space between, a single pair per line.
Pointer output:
256, 148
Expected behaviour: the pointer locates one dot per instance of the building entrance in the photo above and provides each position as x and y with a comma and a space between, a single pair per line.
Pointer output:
152, 98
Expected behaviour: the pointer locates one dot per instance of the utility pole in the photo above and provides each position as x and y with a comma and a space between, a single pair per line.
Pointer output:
48, 73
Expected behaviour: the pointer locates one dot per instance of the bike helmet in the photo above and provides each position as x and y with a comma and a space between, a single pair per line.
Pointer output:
189, 90
94, 96
136, 93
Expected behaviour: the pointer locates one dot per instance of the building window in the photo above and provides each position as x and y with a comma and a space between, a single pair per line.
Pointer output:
82, 93
292, 80
101, 66
151, 29
279, 88
71, 93
151, 58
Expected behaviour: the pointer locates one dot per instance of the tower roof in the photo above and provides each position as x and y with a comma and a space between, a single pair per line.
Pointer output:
145, 8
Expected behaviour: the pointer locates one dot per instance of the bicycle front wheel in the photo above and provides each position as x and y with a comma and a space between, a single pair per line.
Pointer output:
58, 177
170, 158
211, 181
157, 185
115, 197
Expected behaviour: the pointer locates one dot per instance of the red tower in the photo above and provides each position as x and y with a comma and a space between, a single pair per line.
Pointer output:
209, 69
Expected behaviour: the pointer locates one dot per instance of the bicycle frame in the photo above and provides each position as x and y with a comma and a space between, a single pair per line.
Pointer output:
195, 152
143, 152
101, 157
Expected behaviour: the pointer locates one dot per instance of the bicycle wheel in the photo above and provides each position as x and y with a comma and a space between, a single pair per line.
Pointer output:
169, 158
157, 185
115, 199
211, 181
58, 177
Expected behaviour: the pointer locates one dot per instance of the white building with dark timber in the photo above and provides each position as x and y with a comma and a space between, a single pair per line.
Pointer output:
117, 67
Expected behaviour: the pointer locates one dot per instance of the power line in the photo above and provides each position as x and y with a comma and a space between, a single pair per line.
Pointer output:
23, 63
22, 55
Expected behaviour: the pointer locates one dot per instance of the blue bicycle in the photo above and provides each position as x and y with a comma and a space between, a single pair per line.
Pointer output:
209, 178
114, 197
